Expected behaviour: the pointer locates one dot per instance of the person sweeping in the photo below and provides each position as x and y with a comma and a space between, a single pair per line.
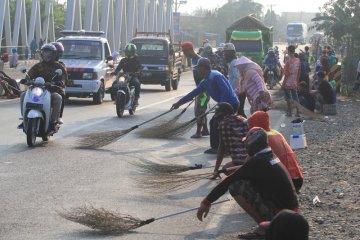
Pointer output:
218, 88
262, 186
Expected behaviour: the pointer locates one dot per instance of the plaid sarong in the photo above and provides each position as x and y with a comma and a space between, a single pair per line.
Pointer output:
232, 130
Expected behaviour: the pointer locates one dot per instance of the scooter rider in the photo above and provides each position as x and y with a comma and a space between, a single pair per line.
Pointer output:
46, 69
131, 64
59, 52
271, 62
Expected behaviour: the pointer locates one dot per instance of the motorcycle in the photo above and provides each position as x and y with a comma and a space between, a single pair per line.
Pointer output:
37, 109
271, 78
123, 94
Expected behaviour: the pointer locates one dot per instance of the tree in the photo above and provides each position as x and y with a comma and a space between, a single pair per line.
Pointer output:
217, 20
340, 20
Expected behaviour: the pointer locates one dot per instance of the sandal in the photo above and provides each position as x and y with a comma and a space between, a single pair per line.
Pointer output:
196, 136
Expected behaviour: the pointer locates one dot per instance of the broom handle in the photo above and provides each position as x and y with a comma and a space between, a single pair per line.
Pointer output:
158, 116
185, 211
152, 119
229, 169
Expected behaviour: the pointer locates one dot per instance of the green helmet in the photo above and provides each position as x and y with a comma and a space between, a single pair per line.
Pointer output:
130, 50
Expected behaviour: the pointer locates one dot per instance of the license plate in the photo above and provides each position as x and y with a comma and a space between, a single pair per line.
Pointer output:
146, 74
34, 106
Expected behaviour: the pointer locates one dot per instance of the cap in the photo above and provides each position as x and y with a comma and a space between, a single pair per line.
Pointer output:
256, 137
187, 46
229, 47
242, 60
204, 62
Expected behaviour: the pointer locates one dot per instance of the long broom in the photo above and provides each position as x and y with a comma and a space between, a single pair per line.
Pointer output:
157, 169
113, 222
180, 129
281, 104
101, 139
170, 182
155, 130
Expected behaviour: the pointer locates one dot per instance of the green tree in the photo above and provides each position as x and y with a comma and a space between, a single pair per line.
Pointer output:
217, 20
340, 20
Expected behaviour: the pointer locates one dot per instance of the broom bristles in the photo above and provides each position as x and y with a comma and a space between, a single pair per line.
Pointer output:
102, 220
101, 139
281, 105
157, 168
170, 182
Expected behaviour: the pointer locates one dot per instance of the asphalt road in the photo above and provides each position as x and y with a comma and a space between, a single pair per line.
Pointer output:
37, 182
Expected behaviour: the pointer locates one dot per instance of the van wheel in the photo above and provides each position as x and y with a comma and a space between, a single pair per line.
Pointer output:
168, 85
175, 83
98, 97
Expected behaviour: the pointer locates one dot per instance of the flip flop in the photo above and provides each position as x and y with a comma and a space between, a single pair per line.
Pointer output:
251, 235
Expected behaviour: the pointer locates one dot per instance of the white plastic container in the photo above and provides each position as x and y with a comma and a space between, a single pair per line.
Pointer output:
298, 141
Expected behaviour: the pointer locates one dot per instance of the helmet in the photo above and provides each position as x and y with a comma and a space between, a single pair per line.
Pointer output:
271, 50
208, 48
130, 50
48, 53
59, 49
14, 50
229, 47
222, 45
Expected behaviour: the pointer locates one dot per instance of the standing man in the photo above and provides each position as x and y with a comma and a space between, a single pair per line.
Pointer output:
217, 86
201, 100
234, 75
290, 83
33, 48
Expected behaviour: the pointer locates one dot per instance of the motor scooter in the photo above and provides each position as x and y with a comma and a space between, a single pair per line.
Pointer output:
37, 109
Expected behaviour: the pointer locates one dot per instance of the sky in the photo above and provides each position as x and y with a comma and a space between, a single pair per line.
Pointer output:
280, 5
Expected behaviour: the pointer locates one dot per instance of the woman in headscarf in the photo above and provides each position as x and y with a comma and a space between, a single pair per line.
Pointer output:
253, 85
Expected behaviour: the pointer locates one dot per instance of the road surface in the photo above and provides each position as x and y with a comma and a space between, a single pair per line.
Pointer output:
37, 182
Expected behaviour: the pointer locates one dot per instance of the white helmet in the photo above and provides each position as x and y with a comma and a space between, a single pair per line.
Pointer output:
229, 47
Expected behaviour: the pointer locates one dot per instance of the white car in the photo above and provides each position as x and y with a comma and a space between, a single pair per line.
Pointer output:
89, 64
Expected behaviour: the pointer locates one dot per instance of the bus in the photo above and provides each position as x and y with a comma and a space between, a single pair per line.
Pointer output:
296, 33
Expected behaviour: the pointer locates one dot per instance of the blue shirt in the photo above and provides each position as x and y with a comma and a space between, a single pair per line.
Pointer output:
271, 61
217, 86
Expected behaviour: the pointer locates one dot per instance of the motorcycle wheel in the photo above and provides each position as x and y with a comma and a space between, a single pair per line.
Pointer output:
120, 106
31, 132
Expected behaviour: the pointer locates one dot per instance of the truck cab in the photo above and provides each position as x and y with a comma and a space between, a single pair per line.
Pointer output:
160, 58
249, 44
89, 64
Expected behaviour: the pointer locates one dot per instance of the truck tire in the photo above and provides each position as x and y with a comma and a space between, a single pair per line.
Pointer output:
168, 85
175, 83
98, 97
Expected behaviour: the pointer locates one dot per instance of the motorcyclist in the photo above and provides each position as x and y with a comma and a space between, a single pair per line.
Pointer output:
131, 64
214, 59
59, 52
46, 69
271, 62
221, 58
